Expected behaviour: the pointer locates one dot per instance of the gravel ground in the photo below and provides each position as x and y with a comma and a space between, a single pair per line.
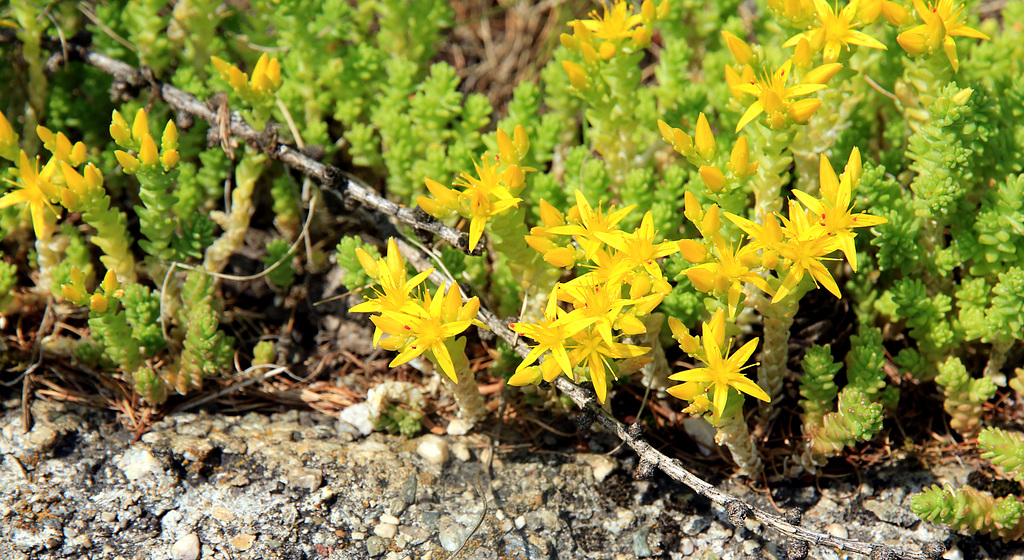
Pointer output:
304, 485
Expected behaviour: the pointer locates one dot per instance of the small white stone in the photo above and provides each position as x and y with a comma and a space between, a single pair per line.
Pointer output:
686, 547
434, 449
450, 537
187, 548
953, 553
388, 518
359, 416
137, 462
358, 535
838, 531
520, 522
386, 530
601, 464
461, 451
459, 427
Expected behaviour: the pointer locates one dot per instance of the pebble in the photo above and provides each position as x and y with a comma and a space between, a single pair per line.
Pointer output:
359, 416
375, 546
137, 462
686, 547
839, 531
415, 535
953, 553
450, 537
243, 542
386, 530
601, 464
390, 519
461, 451
520, 522
187, 548
640, 547
434, 449
309, 479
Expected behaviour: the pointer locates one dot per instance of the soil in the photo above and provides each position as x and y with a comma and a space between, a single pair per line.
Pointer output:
306, 485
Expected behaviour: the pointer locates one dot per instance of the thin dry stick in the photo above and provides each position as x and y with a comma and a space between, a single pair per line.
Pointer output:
332, 178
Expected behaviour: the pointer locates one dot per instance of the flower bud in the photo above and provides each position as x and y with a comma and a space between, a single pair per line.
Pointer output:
606, 51
641, 37
169, 159
713, 178
590, 56
140, 126
577, 76
119, 130
169, 139
704, 140
148, 155
127, 161
110, 284
569, 42
801, 111
99, 303
739, 48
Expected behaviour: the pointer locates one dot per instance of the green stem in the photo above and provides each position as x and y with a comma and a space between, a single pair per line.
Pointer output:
772, 169
733, 433
466, 392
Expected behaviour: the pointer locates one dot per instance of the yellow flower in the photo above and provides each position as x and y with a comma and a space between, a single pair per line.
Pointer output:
395, 291
835, 206
725, 276
638, 248
37, 192
942, 20
439, 319
617, 22
834, 31
593, 352
774, 96
722, 371
586, 223
802, 251
552, 334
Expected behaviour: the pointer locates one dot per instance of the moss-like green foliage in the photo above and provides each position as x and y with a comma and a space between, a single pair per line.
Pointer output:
1005, 449
207, 351
971, 510
142, 309
865, 367
399, 420
858, 419
817, 384
284, 275
8, 279
964, 395
355, 277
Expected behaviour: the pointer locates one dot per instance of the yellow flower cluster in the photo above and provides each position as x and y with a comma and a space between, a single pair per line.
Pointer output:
721, 373
602, 36
830, 29
41, 189
416, 323
492, 191
810, 233
258, 90
625, 283
138, 139
941, 21
701, 149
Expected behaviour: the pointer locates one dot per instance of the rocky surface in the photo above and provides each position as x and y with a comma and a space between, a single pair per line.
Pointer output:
303, 485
